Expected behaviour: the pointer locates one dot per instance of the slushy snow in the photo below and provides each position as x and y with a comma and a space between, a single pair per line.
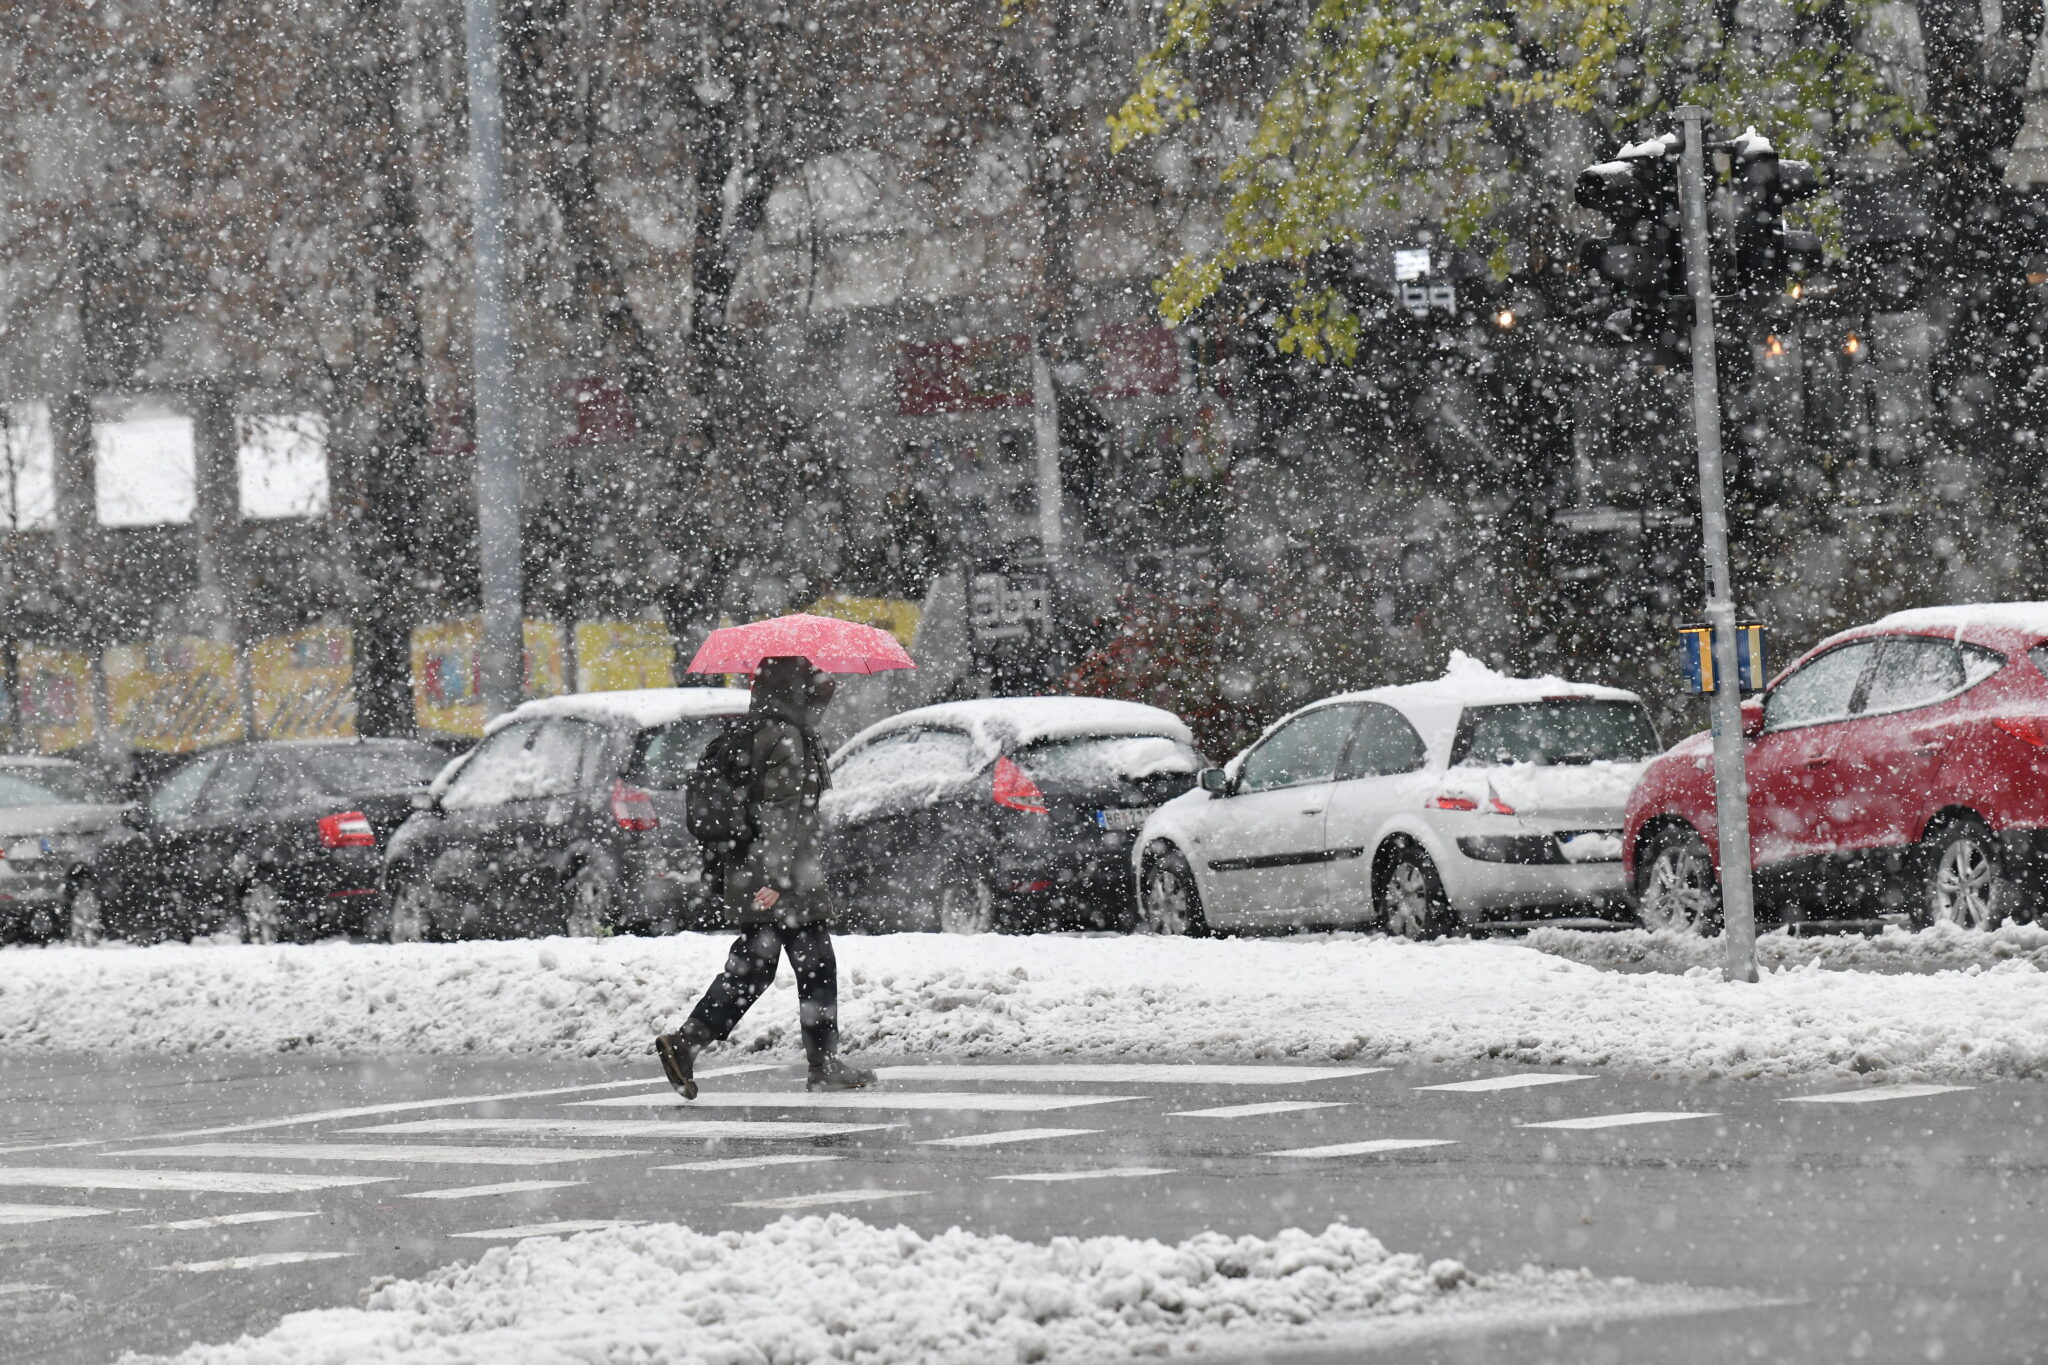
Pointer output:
820, 1289
1308, 998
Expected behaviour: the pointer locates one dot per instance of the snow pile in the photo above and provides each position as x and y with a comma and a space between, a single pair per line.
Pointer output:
838, 1289
1312, 998
1944, 947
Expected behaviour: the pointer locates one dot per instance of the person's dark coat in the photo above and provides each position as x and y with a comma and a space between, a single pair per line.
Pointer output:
789, 776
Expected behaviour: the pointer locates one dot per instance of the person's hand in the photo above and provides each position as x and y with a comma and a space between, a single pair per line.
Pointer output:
765, 898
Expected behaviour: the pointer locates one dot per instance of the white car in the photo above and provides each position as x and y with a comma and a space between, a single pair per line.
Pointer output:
1423, 808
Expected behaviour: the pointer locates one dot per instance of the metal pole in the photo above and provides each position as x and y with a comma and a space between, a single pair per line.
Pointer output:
497, 457
1731, 775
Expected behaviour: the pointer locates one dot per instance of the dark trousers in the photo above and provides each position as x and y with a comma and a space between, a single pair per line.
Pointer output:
750, 967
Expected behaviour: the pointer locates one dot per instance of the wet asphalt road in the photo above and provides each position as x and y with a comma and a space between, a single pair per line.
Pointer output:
1907, 1229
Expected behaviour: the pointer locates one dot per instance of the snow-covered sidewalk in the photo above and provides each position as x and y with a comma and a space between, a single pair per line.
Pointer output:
1310, 998
837, 1289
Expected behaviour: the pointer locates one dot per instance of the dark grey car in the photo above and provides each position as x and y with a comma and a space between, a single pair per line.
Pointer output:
52, 811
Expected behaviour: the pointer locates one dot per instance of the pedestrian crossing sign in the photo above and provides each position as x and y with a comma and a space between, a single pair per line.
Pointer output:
1696, 657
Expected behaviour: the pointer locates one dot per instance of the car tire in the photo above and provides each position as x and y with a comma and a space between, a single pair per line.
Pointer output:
1169, 901
411, 909
967, 907
1676, 886
1962, 878
260, 913
590, 900
86, 914
1408, 895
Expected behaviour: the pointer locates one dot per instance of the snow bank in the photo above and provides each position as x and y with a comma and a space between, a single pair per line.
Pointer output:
1311, 998
837, 1289
1945, 947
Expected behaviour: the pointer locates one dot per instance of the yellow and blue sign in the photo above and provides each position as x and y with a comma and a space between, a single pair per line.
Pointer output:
1696, 657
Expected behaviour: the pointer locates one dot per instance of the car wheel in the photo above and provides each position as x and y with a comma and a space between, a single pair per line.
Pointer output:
412, 908
1964, 877
1169, 902
1410, 896
968, 908
261, 913
1679, 891
592, 901
88, 925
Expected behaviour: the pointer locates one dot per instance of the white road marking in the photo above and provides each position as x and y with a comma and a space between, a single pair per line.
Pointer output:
256, 1262
1517, 1082
1622, 1120
824, 1198
1053, 1177
1008, 1135
432, 1155
483, 1191
21, 1287
1125, 1073
745, 1163
563, 1229
963, 1100
1248, 1111
232, 1220
210, 1182
1371, 1147
11, 1214
1875, 1093
684, 1129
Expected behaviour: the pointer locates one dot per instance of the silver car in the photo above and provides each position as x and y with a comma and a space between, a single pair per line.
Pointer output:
51, 812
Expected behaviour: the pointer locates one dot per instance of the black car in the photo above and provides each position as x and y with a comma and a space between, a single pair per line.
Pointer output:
270, 841
567, 818
1009, 813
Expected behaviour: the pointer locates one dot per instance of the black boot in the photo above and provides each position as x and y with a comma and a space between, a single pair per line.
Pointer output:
678, 1052
830, 1073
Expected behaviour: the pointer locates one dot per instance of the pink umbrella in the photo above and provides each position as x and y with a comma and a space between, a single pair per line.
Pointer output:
830, 644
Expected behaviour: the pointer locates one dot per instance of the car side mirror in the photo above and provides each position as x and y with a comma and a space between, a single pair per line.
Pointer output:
1752, 718
1214, 781
135, 817
426, 801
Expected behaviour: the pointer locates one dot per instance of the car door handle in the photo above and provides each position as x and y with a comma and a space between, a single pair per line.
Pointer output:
1311, 810
1819, 762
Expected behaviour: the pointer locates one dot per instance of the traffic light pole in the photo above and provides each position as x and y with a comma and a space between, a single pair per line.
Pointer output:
1731, 775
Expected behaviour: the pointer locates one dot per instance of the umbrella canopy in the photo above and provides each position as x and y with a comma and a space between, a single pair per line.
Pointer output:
830, 644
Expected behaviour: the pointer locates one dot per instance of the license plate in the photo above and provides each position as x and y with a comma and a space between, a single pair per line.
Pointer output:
1123, 818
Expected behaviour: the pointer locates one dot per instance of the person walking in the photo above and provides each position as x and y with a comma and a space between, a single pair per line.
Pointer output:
774, 887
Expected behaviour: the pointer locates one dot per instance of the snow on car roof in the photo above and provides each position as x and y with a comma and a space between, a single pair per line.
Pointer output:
645, 707
2022, 618
1005, 723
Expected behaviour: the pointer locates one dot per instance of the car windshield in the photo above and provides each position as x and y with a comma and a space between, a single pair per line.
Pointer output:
53, 785
1106, 762
369, 769
1558, 730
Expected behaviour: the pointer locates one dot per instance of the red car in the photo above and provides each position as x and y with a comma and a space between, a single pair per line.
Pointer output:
1897, 769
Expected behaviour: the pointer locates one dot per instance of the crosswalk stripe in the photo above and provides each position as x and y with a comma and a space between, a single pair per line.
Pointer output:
432, 1155
961, 1100
1370, 1147
825, 1198
256, 1262
1124, 1073
747, 1163
1876, 1093
1516, 1082
11, 1214
1249, 1111
1622, 1120
1110, 1173
562, 1229
685, 1129
209, 1182
14, 1287
1006, 1137
233, 1220
484, 1191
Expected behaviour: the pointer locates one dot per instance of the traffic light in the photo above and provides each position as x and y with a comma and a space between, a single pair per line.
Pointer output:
1643, 257
1767, 256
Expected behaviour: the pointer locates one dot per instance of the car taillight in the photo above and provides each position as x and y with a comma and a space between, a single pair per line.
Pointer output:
1015, 790
1448, 802
1495, 804
2026, 729
633, 808
350, 829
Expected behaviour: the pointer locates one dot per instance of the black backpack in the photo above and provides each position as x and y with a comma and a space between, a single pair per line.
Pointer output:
719, 794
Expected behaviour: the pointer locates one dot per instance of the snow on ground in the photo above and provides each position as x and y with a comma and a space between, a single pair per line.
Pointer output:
1309, 998
837, 1289
1945, 947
